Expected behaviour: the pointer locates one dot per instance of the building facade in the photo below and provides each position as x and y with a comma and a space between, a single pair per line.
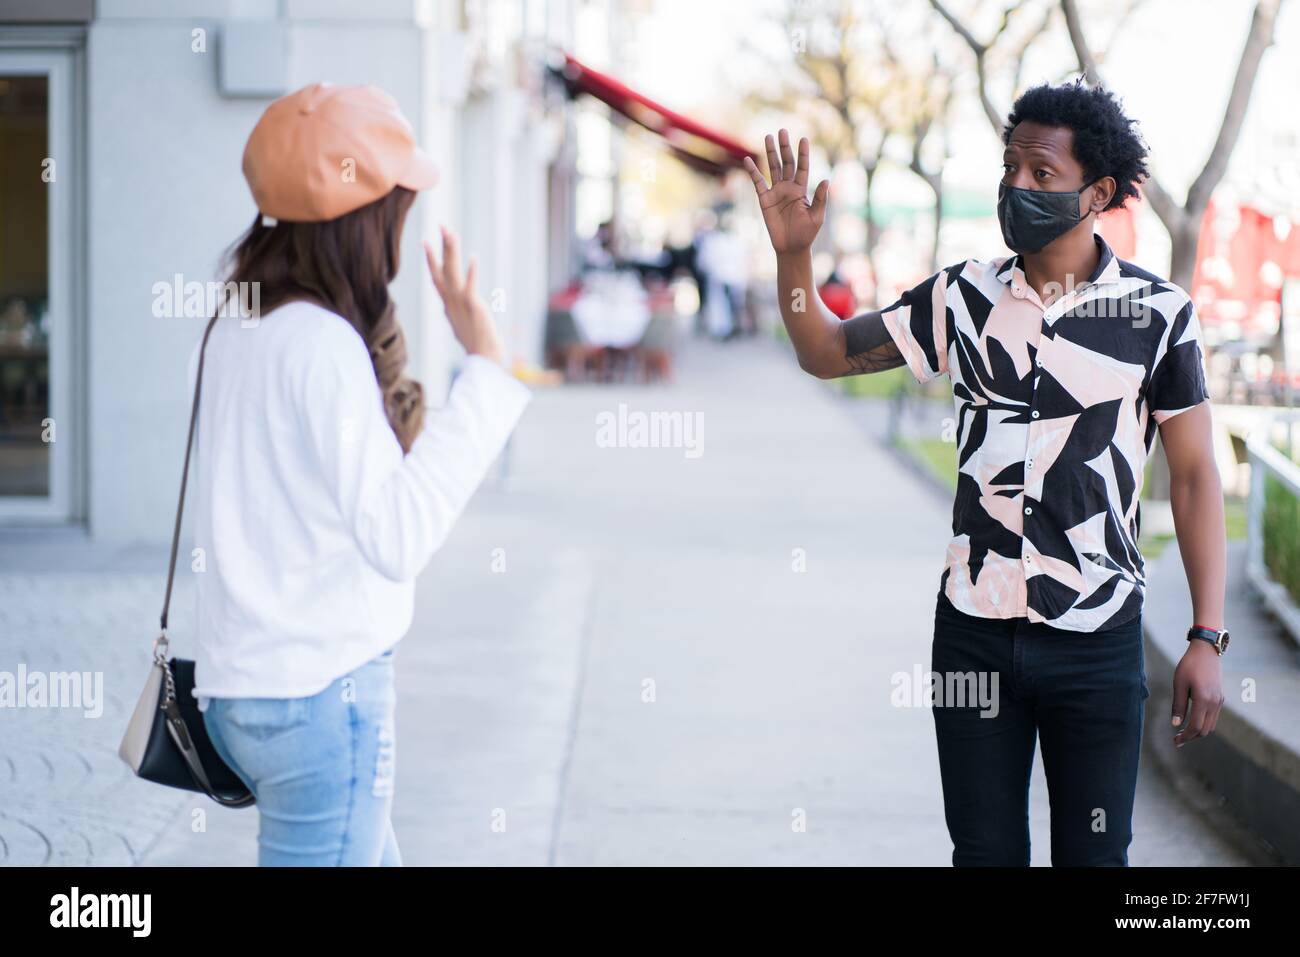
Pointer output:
122, 125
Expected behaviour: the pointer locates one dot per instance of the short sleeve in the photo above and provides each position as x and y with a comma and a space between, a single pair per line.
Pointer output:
918, 324
1178, 376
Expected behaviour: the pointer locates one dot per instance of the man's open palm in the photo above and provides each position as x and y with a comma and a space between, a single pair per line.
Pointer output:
792, 222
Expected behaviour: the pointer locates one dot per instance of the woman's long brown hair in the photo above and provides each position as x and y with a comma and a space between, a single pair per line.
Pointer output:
345, 266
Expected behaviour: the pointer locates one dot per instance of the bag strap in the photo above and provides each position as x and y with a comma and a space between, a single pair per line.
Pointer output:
185, 475
176, 728
180, 736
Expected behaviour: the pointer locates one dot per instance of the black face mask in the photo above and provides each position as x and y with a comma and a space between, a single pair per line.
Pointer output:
1032, 218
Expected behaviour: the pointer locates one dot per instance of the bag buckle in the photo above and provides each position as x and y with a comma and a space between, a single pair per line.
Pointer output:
160, 648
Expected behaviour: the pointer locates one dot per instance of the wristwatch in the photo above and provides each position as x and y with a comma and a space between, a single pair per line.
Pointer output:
1217, 638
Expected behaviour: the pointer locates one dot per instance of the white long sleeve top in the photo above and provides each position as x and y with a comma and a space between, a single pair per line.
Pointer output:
310, 525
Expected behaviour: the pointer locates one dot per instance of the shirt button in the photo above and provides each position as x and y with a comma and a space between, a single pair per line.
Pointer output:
1028, 510
1034, 414
1029, 463
1039, 363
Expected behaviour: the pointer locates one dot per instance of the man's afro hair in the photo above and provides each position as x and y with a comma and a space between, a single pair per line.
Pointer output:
1106, 142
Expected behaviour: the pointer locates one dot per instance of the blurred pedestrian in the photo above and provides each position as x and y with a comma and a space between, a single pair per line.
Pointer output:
599, 252
724, 262
838, 296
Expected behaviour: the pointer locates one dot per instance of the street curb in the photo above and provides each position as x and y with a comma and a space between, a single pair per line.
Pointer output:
1250, 764
1243, 780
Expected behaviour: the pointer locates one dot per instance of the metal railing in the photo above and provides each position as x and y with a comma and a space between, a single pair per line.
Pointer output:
1267, 462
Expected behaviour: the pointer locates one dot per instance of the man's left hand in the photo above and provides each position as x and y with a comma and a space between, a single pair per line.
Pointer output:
1198, 692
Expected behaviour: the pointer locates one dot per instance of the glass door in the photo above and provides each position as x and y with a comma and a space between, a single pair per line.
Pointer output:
38, 174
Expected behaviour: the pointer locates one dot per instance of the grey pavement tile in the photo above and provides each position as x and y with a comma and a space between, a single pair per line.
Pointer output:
525, 736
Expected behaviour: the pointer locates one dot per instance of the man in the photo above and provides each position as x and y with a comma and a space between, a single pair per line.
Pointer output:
599, 251
723, 260
1064, 362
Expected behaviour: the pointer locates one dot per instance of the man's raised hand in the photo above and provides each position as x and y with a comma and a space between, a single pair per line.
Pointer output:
792, 222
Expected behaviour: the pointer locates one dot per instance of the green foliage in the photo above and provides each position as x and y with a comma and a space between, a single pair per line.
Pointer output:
877, 385
936, 456
1282, 536
1236, 517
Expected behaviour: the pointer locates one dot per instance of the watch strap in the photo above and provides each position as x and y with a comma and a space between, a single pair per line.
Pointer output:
1214, 636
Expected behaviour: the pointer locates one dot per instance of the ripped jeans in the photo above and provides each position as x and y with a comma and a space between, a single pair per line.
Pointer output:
321, 767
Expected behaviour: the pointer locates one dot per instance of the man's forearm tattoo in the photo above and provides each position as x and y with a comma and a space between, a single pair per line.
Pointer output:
868, 346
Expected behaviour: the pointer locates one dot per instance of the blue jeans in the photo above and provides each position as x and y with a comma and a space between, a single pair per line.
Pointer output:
1082, 693
321, 768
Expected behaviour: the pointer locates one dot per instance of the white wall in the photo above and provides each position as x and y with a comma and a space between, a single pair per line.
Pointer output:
505, 154
166, 196
531, 236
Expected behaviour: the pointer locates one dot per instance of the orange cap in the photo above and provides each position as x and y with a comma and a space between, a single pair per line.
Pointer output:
326, 150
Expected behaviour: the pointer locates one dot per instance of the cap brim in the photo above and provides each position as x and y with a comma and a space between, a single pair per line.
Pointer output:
420, 173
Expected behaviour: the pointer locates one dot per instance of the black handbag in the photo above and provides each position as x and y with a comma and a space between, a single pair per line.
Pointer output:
166, 741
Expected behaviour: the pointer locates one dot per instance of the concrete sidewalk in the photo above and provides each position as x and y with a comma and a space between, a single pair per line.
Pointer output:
1248, 771
634, 656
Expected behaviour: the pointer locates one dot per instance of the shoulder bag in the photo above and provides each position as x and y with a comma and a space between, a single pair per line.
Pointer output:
166, 741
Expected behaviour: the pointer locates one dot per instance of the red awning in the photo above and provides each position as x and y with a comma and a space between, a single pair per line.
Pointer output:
696, 145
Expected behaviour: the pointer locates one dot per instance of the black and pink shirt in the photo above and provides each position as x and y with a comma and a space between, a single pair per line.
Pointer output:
1057, 408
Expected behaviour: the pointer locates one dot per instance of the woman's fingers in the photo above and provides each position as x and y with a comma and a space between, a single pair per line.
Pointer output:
446, 275
435, 271
450, 256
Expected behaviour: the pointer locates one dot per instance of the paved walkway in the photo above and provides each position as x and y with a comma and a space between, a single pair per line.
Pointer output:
634, 656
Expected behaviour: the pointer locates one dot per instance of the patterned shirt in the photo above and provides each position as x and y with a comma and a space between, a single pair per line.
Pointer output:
1056, 412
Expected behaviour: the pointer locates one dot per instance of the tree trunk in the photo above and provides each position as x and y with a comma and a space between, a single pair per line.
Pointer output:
1182, 255
935, 181
1183, 220
873, 235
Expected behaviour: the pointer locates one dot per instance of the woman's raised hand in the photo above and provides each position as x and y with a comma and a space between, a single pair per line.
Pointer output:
792, 222
470, 320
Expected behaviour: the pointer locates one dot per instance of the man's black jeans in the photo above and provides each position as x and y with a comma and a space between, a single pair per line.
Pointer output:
1082, 693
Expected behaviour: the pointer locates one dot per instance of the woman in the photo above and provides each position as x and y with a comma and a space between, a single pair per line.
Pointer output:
321, 491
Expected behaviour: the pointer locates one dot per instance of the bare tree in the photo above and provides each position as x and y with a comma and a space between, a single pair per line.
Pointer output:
1009, 45
920, 109
932, 176
1183, 220
868, 77
837, 69
985, 51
